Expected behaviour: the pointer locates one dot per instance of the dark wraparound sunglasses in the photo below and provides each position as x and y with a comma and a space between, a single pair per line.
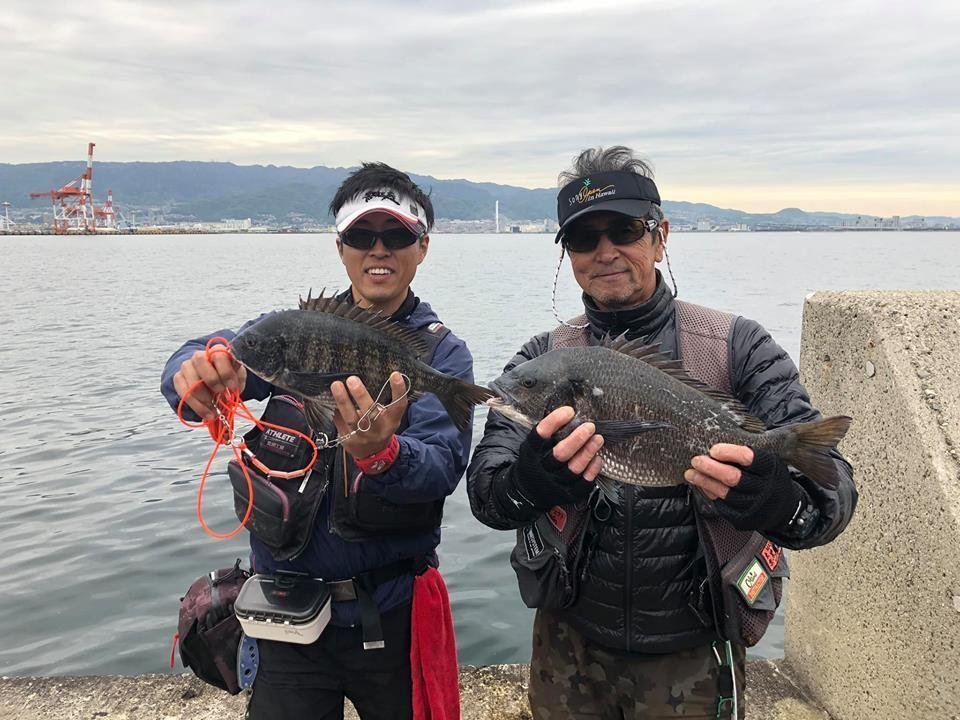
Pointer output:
393, 238
579, 238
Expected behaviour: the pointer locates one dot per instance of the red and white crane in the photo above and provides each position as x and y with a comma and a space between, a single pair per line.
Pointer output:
106, 215
73, 210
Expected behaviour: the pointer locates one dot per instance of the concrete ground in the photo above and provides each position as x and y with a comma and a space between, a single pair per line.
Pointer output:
496, 692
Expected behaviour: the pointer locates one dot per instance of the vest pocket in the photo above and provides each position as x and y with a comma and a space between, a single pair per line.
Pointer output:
359, 513
550, 557
275, 511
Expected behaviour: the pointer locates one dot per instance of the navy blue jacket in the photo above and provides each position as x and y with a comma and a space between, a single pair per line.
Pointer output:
433, 456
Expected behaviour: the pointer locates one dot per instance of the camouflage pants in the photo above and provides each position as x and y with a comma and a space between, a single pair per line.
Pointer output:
572, 679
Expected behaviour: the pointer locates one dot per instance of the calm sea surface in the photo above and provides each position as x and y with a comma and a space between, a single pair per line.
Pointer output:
98, 537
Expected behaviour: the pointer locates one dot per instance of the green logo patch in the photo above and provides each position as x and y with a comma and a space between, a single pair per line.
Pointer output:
752, 581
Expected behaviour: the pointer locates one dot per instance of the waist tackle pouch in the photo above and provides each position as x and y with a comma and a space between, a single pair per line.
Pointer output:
208, 630
552, 555
286, 607
751, 572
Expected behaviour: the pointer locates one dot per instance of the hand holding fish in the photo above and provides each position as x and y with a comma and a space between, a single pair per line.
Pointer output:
752, 489
717, 472
549, 473
353, 400
218, 371
579, 449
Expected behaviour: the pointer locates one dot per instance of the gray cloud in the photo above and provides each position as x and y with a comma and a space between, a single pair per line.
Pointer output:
754, 92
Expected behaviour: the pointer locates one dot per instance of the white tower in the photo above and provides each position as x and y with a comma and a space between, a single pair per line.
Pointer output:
496, 214
6, 224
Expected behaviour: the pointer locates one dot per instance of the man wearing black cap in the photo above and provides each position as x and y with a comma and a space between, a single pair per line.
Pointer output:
646, 603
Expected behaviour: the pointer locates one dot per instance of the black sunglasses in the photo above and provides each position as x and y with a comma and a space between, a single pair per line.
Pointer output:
393, 238
579, 238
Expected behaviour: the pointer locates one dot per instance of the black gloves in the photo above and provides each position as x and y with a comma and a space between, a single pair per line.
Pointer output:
766, 498
538, 481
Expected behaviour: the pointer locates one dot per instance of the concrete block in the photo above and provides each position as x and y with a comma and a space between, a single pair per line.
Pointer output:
872, 627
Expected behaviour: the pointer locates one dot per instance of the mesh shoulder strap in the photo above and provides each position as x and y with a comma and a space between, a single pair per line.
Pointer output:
704, 334
704, 342
432, 335
565, 336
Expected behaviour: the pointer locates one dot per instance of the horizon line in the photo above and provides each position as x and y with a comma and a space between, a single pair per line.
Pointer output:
234, 163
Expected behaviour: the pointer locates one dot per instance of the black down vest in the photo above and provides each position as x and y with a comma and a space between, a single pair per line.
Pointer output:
644, 572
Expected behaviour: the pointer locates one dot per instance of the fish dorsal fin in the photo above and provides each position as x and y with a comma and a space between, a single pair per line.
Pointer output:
378, 321
653, 355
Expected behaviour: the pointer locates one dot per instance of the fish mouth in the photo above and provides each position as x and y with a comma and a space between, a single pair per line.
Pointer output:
505, 404
503, 397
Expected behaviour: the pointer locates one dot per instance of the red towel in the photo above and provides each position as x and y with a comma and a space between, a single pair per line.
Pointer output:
433, 651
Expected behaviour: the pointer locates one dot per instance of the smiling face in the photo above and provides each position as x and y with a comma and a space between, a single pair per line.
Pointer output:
380, 276
618, 276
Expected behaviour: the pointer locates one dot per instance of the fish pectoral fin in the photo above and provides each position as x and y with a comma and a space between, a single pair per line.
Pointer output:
608, 488
623, 430
319, 412
312, 383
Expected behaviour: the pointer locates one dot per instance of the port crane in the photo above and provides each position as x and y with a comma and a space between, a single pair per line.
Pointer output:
73, 209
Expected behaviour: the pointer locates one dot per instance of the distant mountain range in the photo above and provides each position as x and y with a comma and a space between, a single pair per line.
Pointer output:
211, 191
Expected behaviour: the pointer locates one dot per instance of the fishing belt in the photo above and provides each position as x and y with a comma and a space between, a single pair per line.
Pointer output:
361, 588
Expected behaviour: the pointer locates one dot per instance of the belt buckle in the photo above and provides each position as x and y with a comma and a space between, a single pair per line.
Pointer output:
341, 590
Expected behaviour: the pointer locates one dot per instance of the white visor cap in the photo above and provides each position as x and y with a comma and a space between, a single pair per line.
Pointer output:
401, 206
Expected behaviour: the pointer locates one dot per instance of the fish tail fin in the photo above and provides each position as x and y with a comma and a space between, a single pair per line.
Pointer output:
458, 398
813, 442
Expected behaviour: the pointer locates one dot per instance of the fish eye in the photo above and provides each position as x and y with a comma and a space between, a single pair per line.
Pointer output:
528, 382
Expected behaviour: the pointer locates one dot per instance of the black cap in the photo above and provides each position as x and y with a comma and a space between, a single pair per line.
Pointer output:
621, 192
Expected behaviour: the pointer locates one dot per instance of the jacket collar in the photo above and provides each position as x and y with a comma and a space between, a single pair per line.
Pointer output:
644, 320
403, 312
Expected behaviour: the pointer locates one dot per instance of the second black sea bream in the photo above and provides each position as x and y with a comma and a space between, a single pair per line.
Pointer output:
653, 416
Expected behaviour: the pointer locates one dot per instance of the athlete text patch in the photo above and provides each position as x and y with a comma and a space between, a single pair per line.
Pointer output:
282, 443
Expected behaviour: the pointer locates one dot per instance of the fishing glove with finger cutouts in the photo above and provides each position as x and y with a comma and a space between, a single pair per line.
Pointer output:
766, 498
540, 481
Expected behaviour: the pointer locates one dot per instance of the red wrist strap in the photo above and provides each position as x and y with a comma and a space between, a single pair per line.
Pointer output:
380, 461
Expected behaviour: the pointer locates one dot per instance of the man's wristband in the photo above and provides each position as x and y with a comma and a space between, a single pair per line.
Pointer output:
380, 461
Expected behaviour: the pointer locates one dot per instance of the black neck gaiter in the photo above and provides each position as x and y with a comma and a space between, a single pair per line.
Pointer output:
402, 313
642, 321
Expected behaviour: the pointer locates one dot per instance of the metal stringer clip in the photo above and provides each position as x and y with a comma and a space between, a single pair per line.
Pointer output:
726, 686
368, 418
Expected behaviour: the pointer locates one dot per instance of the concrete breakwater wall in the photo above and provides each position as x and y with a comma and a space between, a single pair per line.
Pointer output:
497, 692
873, 620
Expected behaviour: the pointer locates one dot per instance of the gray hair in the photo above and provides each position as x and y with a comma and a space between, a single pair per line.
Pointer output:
616, 158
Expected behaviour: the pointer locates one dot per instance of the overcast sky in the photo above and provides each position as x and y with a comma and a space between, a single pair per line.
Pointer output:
756, 104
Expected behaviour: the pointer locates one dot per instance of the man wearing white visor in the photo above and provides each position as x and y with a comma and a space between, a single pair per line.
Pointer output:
373, 537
